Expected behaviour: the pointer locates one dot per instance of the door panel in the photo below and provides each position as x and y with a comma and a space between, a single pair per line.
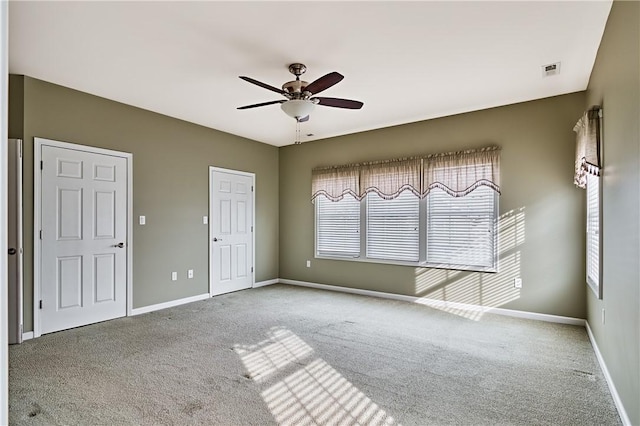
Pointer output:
104, 271
84, 218
104, 219
69, 282
69, 214
231, 231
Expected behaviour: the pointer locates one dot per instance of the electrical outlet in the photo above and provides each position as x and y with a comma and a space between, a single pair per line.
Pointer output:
174, 276
517, 283
205, 220
190, 273
308, 264
143, 220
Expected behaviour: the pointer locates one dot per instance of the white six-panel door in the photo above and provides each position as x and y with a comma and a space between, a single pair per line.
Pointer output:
83, 276
231, 231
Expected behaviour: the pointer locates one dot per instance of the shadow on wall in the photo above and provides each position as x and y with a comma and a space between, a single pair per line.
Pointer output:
471, 294
300, 388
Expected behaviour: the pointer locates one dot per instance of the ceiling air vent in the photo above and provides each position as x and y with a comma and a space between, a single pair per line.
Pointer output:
551, 69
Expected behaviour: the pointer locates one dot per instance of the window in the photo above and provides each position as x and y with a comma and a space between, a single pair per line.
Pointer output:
438, 210
392, 227
460, 230
338, 227
438, 231
593, 233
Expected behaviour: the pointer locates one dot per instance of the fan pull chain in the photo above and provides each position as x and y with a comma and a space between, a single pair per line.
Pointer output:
297, 141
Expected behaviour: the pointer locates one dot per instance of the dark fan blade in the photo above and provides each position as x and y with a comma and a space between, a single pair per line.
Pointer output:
264, 85
323, 83
262, 104
339, 103
303, 119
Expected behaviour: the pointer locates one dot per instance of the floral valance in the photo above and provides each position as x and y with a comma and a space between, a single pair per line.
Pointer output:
457, 173
389, 178
587, 146
335, 182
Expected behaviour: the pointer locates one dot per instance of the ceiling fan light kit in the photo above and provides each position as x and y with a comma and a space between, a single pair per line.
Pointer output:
297, 108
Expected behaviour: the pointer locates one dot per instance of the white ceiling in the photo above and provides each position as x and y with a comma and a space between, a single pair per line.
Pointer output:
407, 61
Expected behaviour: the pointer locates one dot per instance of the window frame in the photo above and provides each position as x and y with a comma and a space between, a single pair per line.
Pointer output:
422, 242
595, 287
335, 254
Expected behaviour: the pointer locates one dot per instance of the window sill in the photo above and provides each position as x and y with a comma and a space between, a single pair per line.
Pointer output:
412, 264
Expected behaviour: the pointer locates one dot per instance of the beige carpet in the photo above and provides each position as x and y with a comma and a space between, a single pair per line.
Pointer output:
288, 355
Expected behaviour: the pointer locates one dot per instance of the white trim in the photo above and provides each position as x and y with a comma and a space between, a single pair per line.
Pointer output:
37, 219
4, 210
442, 304
624, 417
170, 304
18, 188
129, 234
27, 335
266, 283
253, 221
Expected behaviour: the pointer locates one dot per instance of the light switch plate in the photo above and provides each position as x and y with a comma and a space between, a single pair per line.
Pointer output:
190, 273
205, 220
143, 220
174, 276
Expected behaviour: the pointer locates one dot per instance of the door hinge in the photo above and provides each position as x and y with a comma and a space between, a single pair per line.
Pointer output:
41, 164
252, 269
251, 188
41, 234
252, 229
41, 304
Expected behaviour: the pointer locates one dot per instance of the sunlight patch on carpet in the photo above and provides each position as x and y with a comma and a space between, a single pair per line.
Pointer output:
318, 394
278, 351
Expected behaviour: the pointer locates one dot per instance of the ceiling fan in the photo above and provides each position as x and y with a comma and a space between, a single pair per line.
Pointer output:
300, 95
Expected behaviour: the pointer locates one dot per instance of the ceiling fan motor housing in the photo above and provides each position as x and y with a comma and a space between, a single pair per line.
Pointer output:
295, 88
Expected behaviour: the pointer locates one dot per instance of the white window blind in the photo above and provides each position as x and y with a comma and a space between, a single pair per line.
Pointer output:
392, 227
460, 230
593, 231
338, 227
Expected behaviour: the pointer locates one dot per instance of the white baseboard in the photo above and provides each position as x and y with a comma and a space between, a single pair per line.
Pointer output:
439, 304
172, 303
265, 283
27, 335
612, 388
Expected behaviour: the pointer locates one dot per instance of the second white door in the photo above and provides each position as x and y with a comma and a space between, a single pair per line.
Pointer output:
231, 231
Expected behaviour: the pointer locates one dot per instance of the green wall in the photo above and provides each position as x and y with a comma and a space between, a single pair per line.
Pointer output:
542, 213
615, 84
171, 160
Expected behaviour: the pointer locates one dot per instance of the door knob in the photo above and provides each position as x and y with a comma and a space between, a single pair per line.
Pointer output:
119, 245
12, 251
216, 239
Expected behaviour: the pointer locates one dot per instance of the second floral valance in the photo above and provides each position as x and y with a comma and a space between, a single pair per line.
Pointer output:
587, 146
457, 173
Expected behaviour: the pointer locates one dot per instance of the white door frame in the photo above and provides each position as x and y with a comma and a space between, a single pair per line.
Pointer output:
16, 286
4, 152
253, 222
38, 143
